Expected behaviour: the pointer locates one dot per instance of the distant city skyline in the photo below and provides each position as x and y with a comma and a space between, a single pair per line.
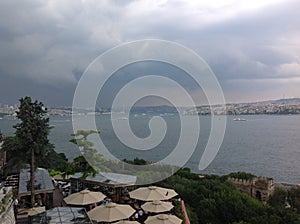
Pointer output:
251, 46
154, 104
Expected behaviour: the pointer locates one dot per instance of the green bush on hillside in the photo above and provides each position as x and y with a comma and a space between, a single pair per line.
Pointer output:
213, 200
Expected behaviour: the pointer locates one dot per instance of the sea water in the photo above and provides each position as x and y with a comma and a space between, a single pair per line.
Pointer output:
266, 145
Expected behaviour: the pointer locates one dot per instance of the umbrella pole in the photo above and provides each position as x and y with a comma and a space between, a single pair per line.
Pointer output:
117, 194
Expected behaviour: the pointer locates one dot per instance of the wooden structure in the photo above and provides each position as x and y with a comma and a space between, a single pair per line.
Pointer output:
111, 184
43, 186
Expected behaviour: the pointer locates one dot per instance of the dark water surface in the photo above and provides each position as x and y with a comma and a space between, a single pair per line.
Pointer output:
263, 145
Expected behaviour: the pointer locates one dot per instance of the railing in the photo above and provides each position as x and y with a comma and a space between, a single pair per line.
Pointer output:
186, 217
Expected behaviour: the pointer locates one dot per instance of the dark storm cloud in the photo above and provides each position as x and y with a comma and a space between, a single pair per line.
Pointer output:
14, 88
46, 45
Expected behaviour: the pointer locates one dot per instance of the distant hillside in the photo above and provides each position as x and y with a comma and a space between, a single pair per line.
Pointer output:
153, 110
278, 101
164, 109
290, 100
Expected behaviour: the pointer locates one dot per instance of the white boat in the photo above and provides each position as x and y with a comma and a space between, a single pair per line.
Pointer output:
239, 119
120, 118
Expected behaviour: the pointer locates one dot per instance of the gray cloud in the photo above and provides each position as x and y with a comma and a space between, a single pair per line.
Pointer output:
253, 45
48, 44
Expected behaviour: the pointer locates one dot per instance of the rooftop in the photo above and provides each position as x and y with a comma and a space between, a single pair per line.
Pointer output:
62, 215
109, 179
42, 179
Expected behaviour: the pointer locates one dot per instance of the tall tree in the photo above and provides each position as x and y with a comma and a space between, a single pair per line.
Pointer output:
30, 145
32, 133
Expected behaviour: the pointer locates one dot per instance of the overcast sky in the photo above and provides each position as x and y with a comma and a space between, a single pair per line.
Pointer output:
253, 47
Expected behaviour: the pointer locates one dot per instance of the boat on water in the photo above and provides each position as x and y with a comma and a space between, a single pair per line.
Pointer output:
121, 118
239, 119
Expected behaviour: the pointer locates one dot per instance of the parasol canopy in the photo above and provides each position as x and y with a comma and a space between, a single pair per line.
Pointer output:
110, 212
163, 219
152, 193
84, 197
157, 206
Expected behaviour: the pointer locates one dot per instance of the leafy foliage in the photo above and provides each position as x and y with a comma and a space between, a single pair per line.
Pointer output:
91, 161
136, 161
241, 175
294, 197
85, 133
213, 200
286, 198
31, 133
53, 172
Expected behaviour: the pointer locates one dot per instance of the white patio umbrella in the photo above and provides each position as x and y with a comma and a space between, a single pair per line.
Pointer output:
163, 219
152, 193
127, 222
157, 206
110, 212
35, 210
84, 197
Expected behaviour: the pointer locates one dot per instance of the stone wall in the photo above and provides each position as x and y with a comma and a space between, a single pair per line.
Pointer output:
260, 188
7, 215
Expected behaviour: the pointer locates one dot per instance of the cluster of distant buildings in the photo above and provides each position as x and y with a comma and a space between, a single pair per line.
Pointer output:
8, 109
283, 106
268, 107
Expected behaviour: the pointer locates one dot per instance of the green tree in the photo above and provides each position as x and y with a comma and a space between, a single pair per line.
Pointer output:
91, 161
67, 169
14, 155
278, 198
32, 133
30, 143
213, 200
85, 133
